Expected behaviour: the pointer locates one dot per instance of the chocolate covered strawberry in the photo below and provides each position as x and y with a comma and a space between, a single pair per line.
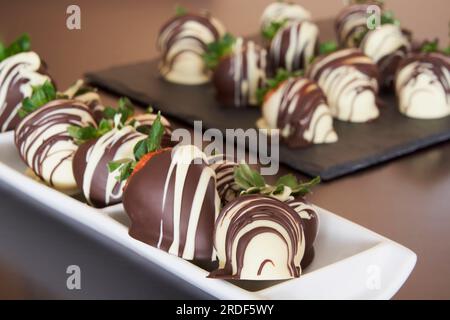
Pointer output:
170, 197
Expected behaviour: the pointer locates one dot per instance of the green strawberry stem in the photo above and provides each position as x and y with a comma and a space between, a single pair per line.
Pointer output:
21, 44
251, 182
218, 49
125, 167
40, 96
271, 84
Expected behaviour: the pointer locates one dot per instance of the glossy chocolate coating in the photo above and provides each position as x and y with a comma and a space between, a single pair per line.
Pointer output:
240, 74
90, 165
294, 46
224, 167
172, 203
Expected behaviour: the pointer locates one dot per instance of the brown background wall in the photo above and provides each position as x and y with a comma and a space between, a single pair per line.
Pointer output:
123, 31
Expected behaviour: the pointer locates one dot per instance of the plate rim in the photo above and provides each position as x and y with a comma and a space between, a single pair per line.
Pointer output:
96, 220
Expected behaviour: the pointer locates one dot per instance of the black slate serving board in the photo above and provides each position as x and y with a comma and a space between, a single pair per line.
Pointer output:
360, 145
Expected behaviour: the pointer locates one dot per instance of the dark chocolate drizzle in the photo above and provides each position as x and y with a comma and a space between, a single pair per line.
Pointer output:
53, 114
310, 228
434, 63
175, 28
261, 267
347, 14
388, 64
277, 53
309, 97
14, 95
246, 210
370, 69
224, 167
336, 60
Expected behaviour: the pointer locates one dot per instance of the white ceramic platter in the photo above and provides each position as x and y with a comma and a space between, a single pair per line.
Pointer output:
351, 262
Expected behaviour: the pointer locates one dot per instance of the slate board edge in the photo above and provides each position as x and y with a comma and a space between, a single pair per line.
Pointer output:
328, 174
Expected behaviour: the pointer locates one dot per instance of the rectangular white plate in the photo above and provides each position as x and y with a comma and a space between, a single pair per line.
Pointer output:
351, 262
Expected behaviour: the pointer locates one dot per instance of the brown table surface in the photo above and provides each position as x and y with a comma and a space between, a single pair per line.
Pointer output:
406, 200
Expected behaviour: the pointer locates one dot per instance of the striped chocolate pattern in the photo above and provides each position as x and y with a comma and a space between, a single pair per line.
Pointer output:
172, 203
258, 238
284, 11
45, 145
294, 46
423, 86
238, 76
224, 169
387, 46
90, 165
18, 75
182, 41
299, 110
349, 80
350, 23
310, 221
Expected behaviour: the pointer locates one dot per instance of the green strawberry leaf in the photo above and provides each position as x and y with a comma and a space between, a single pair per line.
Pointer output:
218, 49
247, 178
153, 141
125, 110
430, 46
273, 83
124, 167
21, 44
251, 182
83, 134
180, 11
39, 97
271, 29
328, 47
